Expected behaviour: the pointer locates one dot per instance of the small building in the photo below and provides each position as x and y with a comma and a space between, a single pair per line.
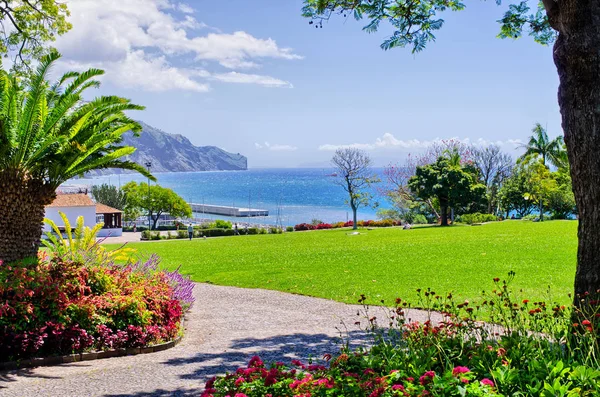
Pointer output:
76, 205
73, 206
112, 219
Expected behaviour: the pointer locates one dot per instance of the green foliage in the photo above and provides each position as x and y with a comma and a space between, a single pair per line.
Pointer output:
334, 265
52, 134
109, 195
453, 184
551, 151
154, 200
29, 26
81, 243
220, 224
415, 23
512, 193
540, 183
289, 229
561, 201
477, 218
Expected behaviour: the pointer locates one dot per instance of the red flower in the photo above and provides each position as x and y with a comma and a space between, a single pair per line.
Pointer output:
426, 378
460, 370
487, 382
255, 362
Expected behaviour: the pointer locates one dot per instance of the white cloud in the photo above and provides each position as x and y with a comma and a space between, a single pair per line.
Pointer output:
389, 141
275, 147
235, 77
131, 37
186, 9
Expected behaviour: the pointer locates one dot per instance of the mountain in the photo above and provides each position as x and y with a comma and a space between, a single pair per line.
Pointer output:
175, 153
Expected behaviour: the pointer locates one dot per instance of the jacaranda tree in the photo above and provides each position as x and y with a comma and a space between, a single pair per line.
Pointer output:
573, 27
49, 134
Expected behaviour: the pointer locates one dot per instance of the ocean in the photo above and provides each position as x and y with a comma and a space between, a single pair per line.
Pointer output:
291, 196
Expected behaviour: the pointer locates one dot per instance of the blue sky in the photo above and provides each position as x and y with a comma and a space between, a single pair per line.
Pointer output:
254, 77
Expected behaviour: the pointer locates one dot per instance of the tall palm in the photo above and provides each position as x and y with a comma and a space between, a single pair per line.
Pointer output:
551, 151
49, 134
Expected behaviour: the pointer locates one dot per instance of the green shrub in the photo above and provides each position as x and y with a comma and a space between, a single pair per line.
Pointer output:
155, 235
182, 234
289, 229
252, 230
220, 224
418, 219
477, 218
275, 230
262, 231
146, 235
530, 217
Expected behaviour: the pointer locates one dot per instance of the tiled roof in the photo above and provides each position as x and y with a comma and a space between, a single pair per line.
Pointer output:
72, 200
105, 209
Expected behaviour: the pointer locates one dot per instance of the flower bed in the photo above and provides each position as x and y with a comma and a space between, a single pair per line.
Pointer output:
57, 305
369, 223
525, 349
345, 376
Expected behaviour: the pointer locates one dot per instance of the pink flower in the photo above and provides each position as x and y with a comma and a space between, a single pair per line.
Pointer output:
487, 382
398, 387
239, 381
426, 378
460, 370
240, 395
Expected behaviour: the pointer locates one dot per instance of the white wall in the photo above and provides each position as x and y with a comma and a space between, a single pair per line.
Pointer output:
88, 213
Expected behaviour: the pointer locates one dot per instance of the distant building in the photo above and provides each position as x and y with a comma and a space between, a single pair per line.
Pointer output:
76, 205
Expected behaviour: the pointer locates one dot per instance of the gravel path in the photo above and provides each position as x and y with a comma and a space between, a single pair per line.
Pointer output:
224, 329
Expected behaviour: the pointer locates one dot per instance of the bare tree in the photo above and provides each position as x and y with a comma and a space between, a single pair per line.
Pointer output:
495, 166
354, 174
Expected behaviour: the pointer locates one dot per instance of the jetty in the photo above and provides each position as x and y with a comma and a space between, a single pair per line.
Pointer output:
228, 211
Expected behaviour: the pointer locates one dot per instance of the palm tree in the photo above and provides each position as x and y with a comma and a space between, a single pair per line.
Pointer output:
552, 151
49, 134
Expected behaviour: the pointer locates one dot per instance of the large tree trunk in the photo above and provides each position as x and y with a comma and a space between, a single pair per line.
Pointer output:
443, 213
22, 202
577, 59
354, 216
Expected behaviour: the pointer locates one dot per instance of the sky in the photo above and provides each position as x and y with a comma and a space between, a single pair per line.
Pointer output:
253, 77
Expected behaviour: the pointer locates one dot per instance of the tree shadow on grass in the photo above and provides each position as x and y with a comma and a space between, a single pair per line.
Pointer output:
282, 348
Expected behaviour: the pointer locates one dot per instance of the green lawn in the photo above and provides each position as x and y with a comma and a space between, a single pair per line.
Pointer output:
385, 263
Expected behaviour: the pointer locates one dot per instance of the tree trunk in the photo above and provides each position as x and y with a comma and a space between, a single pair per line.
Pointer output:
541, 209
577, 59
354, 221
443, 213
22, 202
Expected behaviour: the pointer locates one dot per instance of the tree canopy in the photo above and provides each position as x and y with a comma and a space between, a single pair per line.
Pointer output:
27, 27
109, 195
155, 200
550, 150
416, 22
451, 183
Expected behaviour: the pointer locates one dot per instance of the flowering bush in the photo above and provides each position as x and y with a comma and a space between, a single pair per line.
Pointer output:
369, 223
347, 375
524, 349
61, 306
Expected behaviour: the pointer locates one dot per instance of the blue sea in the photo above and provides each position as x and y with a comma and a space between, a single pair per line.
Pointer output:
292, 196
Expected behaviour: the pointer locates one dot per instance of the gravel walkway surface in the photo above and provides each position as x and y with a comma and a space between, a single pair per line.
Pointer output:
224, 328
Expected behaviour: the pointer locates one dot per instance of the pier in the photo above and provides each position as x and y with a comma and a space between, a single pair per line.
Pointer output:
228, 211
